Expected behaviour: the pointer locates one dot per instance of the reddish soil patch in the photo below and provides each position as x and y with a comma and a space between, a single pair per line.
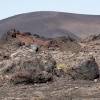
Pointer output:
27, 39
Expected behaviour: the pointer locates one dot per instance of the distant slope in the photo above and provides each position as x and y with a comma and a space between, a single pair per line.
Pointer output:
51, 24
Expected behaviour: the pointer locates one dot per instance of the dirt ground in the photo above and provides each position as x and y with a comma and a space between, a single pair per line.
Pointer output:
57, 90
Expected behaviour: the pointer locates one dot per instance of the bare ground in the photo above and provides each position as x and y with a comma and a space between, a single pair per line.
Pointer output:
58, 90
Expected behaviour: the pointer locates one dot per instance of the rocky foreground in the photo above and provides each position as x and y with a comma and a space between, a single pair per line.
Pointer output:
37, 68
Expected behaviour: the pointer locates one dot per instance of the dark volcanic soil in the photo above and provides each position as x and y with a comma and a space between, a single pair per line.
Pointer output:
52, 24
57, 90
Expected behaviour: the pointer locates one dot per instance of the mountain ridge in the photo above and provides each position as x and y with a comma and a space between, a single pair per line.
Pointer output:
52, 24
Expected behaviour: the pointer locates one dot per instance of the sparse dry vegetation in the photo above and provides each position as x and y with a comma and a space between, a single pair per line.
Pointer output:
62, 66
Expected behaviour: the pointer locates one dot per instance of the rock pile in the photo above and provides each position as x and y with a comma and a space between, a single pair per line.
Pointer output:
63, 43
38, 60
27, 66
92, 38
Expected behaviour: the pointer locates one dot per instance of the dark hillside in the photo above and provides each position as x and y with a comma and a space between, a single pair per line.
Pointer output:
52, 24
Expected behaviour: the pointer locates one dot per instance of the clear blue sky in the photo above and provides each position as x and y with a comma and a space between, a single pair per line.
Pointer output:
13, 7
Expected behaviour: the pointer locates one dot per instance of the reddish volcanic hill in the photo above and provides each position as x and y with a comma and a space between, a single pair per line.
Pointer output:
13, 39
52, 24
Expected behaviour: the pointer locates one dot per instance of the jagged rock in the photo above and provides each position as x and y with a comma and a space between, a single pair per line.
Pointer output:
25, 50
34, 47
85, 70
37, 62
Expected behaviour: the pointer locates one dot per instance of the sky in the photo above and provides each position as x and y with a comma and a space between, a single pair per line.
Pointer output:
10, 8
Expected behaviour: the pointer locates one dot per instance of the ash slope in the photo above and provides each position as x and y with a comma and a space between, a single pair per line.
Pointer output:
52, 24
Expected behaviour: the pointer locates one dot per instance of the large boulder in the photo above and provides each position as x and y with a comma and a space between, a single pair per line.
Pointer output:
28, 67
85, 70
18, 64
